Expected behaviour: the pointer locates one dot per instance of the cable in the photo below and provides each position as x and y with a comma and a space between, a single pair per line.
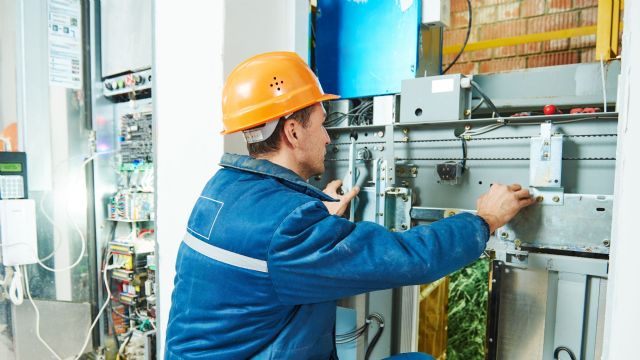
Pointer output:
378, 318
104, 306
75, 225
604, 86
15, 289
466, 39
557, 351
485, 97
35, 308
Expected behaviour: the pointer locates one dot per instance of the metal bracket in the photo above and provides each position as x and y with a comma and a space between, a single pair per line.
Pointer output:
545, 167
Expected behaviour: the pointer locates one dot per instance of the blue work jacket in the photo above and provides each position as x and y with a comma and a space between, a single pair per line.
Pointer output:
263, 262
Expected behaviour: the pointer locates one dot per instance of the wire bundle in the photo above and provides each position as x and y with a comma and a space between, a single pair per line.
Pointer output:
359, 115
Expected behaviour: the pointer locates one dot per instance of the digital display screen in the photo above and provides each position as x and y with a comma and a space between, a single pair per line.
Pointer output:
11, 167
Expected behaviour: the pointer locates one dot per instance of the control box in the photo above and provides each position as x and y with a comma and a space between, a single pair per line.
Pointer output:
18, 232
435, 98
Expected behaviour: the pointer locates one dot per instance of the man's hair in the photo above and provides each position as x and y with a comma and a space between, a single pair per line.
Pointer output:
273, 142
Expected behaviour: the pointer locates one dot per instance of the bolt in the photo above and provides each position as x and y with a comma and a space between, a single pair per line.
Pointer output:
405, 139
467, 112
606, 242
504, 235
414, 171
539, 199
380, 134
517, 243
556, 198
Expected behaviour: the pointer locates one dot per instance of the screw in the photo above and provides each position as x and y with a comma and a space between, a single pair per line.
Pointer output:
379, 147
546, 155
606, 242
467, 112
404, 227
405, 139
504, 235
405, 131
539, 199
467, 127
401, 170
414, 171
380, 134
556, 198
405, 198
335, 149
517, 243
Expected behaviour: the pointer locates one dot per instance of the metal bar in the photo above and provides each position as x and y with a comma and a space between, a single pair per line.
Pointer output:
608, 29
524, 39
493, 311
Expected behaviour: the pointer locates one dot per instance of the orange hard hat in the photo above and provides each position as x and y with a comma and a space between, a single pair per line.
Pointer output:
267, 87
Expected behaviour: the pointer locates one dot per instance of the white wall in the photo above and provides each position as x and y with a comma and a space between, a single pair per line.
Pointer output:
253, 27
623, 296
187, 65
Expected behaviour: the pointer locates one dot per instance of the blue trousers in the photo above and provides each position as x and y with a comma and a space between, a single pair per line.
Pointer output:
411, 356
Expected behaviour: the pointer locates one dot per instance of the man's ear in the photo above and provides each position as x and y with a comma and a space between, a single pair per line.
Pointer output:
290, 130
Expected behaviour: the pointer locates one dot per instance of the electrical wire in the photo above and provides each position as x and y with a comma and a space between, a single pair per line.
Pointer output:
604, 86
466, 39
15, 289
359, 113
35, 308
486, 98
104, 306
557, 351
380, 320
75, 224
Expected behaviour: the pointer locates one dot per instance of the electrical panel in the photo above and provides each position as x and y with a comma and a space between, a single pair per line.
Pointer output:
441, 152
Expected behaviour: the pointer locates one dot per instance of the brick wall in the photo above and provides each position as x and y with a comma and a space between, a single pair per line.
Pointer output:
495, 19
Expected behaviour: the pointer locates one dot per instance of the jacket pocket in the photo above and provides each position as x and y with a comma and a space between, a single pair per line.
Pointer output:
204, 216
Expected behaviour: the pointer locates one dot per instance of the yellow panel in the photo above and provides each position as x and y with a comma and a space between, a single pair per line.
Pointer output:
432, 327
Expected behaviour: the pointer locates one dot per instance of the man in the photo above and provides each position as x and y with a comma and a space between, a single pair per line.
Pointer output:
266, 255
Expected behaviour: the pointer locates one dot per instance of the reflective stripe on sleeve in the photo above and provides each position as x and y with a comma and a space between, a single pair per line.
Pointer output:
224, 256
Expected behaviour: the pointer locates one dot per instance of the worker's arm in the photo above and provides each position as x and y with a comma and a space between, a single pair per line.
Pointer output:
315, 256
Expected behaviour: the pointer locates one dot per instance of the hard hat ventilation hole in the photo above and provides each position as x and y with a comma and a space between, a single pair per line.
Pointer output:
278, 89
271, 85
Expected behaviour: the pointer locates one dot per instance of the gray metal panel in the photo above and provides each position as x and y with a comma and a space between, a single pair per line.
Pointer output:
126, 34
63, 325
564, 85
570, 313
582, 223
523, 306
433, 98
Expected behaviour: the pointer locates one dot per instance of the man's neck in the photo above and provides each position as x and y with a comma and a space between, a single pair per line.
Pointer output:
286, 161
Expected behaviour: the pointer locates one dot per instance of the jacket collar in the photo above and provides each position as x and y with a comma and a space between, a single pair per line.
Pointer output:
266, 167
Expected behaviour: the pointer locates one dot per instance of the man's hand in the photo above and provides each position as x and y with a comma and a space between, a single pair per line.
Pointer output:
338, 208
502, 203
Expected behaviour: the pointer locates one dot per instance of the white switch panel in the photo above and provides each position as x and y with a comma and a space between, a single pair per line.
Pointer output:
18, 232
